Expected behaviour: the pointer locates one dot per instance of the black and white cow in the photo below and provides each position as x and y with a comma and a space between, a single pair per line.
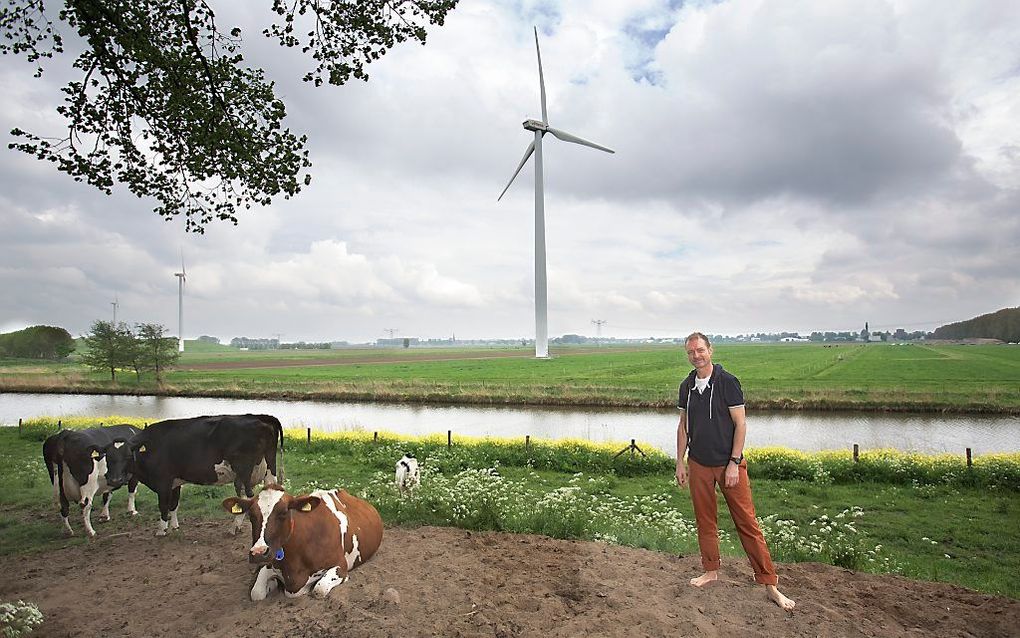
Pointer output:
83, 463
407, 476
206, 450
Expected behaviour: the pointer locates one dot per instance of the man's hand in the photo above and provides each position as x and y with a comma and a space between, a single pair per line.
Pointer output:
732, 474
681, 473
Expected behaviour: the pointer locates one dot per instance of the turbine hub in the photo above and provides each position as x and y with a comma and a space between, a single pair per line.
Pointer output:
536, 125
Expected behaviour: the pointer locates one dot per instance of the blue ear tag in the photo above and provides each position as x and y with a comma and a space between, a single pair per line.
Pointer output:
279, 554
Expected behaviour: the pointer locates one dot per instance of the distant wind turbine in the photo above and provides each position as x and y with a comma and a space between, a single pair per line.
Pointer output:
540, 129
181, 278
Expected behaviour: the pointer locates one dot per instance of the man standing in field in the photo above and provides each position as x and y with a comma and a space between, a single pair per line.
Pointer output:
712, 426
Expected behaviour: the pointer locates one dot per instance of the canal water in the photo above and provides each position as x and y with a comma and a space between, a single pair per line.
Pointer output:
808, 431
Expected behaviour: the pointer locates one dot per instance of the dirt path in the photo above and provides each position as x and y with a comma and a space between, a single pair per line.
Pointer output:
456, 583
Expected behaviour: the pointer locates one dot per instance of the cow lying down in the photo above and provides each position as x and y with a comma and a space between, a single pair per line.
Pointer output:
307, 542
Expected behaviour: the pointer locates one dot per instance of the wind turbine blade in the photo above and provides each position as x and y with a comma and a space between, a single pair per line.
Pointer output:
527, 154
567, 137
183, 271
541, 78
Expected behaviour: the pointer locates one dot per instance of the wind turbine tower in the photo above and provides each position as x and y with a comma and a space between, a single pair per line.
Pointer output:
540, 128
181, 278
115, 303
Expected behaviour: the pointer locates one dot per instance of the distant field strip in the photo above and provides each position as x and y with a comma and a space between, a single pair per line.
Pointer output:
909, 377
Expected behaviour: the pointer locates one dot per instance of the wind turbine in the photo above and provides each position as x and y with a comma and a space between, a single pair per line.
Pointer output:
181, 277
540, 128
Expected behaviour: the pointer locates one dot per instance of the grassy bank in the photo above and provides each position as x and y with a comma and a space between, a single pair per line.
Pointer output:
784, 376
937, 531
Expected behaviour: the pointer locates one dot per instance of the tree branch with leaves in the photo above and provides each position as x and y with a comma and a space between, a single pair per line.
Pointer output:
166, 106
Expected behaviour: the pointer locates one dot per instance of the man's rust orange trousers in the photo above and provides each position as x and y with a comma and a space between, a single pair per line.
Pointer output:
703, 479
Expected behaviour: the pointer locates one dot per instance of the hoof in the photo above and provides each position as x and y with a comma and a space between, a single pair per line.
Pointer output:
133, 513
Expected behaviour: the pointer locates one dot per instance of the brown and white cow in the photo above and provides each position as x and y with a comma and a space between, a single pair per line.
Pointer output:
307, 542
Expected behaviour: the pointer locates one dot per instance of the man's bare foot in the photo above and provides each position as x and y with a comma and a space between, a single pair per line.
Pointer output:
705, 579
777, 597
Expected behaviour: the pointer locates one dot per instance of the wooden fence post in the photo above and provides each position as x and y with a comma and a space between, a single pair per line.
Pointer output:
527, 442
449, 438
857, 450
308, 434
375, 437
970, 461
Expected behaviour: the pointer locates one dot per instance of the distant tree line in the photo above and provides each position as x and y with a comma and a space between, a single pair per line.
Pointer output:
301, 345
145, 348
37, 342
255, 344
1003, 324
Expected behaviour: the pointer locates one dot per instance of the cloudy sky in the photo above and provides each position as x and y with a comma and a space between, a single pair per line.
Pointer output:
783, 165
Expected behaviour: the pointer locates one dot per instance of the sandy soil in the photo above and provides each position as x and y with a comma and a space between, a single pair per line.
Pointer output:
448, 582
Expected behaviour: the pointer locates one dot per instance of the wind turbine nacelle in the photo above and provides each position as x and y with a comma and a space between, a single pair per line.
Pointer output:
536, 125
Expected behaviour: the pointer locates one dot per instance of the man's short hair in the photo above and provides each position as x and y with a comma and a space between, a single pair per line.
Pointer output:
697, 335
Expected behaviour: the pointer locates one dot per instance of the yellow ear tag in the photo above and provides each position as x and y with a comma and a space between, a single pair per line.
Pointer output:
141, 449
95, 454
236, 509
307, 507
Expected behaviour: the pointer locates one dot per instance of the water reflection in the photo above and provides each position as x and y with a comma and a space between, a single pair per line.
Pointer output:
798, 430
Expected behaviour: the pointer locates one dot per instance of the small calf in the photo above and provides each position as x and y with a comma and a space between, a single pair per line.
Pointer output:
407, 477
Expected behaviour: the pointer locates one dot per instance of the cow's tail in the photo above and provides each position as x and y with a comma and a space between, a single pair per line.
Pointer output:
51, 453
279, 467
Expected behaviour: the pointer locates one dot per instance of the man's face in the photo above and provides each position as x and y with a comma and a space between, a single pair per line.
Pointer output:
699, 353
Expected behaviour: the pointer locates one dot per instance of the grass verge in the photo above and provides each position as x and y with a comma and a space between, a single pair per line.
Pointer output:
953, 533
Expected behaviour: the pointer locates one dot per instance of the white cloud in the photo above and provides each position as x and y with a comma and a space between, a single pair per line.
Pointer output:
780, 165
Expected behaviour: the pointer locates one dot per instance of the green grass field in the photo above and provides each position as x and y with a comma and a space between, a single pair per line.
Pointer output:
957, 534
962, 378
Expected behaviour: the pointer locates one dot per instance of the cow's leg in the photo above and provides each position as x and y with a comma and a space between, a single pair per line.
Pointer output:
267, 580
329, 580
86, 514
104, 515
89, 490
164, 493
132, 488
175, 501
243, 491
65, 505
271, 475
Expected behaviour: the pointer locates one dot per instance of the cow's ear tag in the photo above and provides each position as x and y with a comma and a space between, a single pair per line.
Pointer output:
279, 554
95, 454
307, 507
236, 509
141, 449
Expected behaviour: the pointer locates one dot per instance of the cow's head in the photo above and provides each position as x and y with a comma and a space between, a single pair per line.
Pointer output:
272, 515
119, 463
140, 453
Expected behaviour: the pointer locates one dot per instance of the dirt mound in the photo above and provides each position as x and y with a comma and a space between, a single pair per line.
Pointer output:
448, 582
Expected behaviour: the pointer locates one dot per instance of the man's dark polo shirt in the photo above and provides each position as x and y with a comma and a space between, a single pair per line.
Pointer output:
709, 424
